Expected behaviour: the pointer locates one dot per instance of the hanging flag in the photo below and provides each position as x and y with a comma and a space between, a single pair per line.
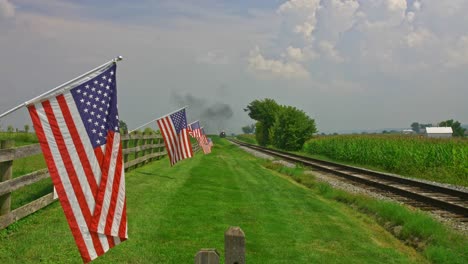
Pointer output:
173, 128
194, 130
204, 142
78, 131
210, 142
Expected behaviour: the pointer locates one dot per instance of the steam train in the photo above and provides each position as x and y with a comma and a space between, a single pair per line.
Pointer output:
222, 134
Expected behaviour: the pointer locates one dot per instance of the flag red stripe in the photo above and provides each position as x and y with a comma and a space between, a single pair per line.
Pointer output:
58, 185
166, 141
105, 162
62, 147
172, 134
123, 222
115, 192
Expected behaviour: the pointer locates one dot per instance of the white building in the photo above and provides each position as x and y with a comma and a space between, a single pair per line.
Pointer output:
439, 132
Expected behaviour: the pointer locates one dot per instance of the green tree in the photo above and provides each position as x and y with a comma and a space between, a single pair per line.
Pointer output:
26, 128
415, 127
248, 129
292, 127
148, 130
264, 112
123, 127
458, 130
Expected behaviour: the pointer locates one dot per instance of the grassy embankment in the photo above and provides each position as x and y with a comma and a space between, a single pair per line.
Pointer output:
173, 212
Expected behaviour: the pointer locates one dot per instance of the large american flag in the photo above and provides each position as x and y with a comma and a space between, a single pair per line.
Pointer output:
78, 131
173, 128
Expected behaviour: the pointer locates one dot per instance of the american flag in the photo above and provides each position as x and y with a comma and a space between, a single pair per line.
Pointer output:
78, 131
210, 142
194, 130
204, 142
173, 128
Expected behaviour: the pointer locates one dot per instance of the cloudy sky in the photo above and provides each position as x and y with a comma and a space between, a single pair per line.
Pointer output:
349, 64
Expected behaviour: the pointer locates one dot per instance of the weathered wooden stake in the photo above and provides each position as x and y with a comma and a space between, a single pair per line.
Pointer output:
234, 245
6, 169
207, 256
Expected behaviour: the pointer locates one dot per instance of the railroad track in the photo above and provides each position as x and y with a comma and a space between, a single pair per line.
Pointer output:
446, 202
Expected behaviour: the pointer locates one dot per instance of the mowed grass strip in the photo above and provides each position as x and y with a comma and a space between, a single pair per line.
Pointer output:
174, 212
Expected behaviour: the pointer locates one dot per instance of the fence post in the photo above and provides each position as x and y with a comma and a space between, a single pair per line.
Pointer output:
207, 256
234, 246
6, 169
125, 146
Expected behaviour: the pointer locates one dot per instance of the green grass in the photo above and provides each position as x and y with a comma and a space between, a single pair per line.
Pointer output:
174, 212
20, 138
248, 138
436, 242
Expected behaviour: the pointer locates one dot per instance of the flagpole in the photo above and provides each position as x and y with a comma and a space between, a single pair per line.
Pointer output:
193, 122
157, 119
119, 58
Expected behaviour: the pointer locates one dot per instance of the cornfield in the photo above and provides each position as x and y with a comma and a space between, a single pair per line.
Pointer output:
442, 160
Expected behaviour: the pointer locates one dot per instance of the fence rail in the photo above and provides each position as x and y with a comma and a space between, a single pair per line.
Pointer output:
137, 150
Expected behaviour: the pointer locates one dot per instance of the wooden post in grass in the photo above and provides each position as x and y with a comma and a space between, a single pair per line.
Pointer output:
6, 169
234, 245
207, 256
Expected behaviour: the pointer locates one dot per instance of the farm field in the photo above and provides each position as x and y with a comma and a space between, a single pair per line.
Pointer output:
440, 160
174, 212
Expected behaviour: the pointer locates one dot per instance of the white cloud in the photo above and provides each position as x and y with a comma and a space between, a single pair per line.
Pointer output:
396, 5
215, 57
304, 14
7, 9
283, 69
329, 52
458, 55
418, 38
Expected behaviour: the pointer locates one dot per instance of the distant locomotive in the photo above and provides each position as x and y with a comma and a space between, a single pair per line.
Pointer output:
222, 134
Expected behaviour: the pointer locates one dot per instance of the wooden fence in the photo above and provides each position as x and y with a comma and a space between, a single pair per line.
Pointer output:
137, 150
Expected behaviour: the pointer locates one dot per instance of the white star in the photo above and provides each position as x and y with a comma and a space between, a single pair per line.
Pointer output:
92, 113
102, 84
90, 120
103, 127
86, 110
103, 101
107, 112
104, 119
94, 106
112, 72
88, 103
116, 117
100, 109
107, 87
82, 100
98, 116
95, 82
87, 86
105, 94
85, 93
98, 141
100, 134
97, 99
91, 95
96, 123
116, 128
110, 80
93, 89
78, 91
99, 92
104, 77
94, 131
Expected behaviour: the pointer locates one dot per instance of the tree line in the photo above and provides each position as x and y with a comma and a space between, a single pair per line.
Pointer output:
458, 130
284, 127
